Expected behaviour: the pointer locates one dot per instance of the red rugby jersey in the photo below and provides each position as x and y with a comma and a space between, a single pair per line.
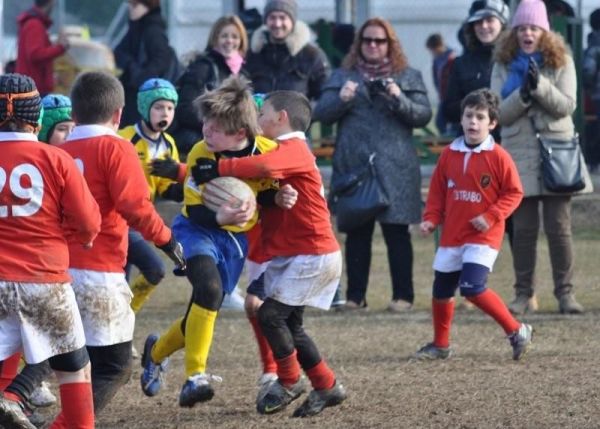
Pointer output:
42, 195
306, 228
113, 173
467, 183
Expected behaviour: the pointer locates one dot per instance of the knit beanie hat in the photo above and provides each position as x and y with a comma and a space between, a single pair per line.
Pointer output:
57, 108
481, 9
19, 99
152, 90
531, 12
289, 7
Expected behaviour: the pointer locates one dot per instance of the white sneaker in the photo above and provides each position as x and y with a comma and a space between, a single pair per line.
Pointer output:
42, 396
233, 301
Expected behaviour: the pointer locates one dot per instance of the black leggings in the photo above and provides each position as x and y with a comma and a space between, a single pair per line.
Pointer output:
400, 260
111, 369
282, 325
207, 290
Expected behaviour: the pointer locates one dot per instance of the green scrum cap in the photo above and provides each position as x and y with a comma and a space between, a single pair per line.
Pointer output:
152, 90
56, 108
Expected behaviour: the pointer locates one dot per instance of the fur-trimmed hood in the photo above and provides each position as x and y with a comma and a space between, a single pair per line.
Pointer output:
297, 39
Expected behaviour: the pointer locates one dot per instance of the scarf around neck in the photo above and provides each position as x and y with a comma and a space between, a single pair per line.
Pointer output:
517, 71
234, 62
370, 71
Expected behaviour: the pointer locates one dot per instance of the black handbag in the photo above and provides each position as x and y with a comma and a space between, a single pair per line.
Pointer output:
357, 197
562, 170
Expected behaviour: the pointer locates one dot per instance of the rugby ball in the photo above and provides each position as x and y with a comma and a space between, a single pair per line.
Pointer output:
223, 189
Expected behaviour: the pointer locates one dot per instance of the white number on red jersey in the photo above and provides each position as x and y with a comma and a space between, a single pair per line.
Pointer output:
34, 192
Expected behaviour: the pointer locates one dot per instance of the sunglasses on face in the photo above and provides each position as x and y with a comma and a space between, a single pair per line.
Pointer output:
376, 40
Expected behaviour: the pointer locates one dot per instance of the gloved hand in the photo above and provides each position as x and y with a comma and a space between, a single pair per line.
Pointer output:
533, 74
167, 167
174, 251
205, 170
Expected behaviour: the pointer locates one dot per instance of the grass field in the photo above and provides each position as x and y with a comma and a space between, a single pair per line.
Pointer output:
480, 387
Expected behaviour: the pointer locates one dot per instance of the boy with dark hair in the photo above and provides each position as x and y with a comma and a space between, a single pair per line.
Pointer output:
156, 101
306, 260
474, 188
44, 197
215, 243
443, 57
111, 168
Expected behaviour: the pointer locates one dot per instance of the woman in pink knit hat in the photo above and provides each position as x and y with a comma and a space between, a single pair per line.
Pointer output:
535, 76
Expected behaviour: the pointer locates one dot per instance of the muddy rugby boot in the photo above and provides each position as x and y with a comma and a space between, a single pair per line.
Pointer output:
432, 352
12, 415
521, 340
197, 388
264, 384
320, 399
152, 375
279, 396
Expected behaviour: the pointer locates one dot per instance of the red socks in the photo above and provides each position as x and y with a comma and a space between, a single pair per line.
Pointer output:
442, 313
321, 376
77, 407
288, 369
266, 354
490, 303
8, 370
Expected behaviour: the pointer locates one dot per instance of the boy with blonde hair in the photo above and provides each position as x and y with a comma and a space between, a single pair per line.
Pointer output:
306, 262
215, 243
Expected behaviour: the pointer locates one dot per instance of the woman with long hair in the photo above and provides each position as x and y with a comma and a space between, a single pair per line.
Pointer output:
376, 100
535, 76
224, 55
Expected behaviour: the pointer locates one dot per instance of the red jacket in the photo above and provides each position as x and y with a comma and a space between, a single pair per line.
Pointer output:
36, 54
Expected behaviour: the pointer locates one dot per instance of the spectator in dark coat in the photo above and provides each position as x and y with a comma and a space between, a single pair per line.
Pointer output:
36, 54
591, 82
282, 56
473, 69
376, 100
224, 56
143, 53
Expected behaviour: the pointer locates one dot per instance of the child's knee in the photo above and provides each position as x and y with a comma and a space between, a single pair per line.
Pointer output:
473, 279
252, 304
445, 284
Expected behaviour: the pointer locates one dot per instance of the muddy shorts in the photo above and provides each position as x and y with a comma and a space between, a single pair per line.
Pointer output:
42, 319
304, 279
104, 301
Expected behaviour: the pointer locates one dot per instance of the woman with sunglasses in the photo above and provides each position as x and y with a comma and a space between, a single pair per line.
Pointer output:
376, 100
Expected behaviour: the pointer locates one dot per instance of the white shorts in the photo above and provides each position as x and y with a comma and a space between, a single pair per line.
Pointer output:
304, 279
254, 269
41, 319
451, 259
104, 301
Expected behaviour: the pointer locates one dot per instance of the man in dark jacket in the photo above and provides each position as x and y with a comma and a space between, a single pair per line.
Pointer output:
281, 55
36, 54
144, 52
